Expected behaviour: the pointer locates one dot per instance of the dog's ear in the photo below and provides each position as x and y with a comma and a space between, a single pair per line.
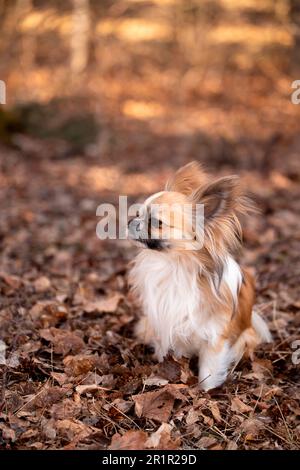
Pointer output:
219, 197
187, 179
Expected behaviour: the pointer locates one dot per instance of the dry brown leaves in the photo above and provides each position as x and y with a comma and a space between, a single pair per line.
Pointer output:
159, 404
140, 440
73, 375
63, 342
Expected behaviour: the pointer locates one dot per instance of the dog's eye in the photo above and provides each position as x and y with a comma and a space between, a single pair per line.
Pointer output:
160, 223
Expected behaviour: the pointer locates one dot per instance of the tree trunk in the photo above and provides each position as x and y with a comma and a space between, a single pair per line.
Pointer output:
295, 18
80, 37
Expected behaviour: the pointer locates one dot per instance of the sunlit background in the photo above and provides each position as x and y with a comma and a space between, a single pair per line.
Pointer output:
135, 85
108, 98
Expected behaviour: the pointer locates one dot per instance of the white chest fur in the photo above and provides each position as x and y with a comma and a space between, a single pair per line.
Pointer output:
178, 312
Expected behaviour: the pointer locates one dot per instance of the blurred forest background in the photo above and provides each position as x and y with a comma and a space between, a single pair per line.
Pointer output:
107, 98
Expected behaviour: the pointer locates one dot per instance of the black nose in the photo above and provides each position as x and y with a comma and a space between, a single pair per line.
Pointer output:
154, 244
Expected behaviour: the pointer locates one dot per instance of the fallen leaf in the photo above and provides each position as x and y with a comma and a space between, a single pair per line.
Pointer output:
12, 281
131, 440
206, 442
37, 445
161, 439
62, 340
49, 430
65, 409
82, 389
60, 377
158, 405
169, 369
108, 381
122, 405
192, 416
214, 408
47, 313
231, 445
71, 429
42, 284
176, 391
155, 380
267, 392
216, 447
7, 433
29, 434
45, 398
106, 305
79, 364
239, 406
208, 420
262, 367
252, 427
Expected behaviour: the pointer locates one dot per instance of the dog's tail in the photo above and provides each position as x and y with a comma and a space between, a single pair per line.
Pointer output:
261, 328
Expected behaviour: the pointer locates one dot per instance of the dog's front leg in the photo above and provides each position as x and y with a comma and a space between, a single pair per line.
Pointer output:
144, 332
213, 364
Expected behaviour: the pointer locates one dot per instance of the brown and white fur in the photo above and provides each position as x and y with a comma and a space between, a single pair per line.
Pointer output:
196, 299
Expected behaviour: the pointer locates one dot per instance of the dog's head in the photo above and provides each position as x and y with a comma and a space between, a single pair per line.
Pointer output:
192, 213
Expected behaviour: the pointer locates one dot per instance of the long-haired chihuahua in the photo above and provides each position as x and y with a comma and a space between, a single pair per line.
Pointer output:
195, 298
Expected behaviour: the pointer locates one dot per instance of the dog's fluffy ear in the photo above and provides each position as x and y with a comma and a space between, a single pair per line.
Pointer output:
187, 179
220, 197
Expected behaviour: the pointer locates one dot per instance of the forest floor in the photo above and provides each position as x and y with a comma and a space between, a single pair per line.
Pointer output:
74, 376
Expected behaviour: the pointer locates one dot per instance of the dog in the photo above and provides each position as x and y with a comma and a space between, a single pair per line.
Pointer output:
195, 297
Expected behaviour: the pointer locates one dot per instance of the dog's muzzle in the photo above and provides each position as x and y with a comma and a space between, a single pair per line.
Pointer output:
138, 231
